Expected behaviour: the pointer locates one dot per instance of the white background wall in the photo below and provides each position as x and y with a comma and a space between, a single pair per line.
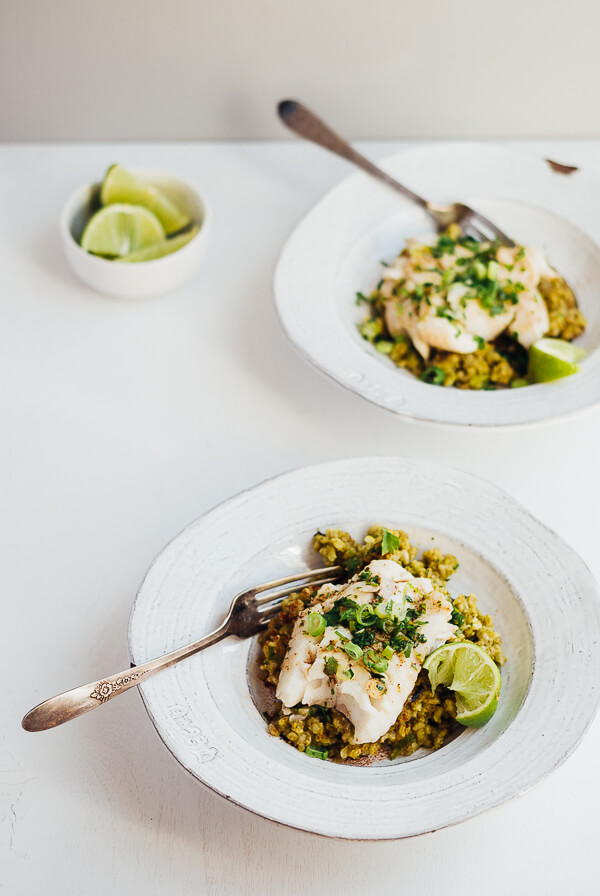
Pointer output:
135, 69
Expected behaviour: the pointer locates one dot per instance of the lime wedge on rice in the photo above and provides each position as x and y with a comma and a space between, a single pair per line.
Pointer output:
122, 186
551, 359
120, 229
164, 247
475, 679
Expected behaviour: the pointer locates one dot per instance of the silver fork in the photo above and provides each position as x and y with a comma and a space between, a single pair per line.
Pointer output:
247, 616
302, 121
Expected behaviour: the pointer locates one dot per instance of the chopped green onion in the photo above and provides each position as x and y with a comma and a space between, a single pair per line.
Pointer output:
381, 609
493, 269
384, 346
376, 663
519, 383
315, 625
349, 673
316, 754
387, 653
365, 615
433, 375
480, 270
353, 650
396, 610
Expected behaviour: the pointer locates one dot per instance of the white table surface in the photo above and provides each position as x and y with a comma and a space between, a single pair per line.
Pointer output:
122, 421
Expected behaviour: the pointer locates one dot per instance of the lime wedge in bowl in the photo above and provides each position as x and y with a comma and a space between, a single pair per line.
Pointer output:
121, 186
475, 679
120, 229
162, 248
552, 359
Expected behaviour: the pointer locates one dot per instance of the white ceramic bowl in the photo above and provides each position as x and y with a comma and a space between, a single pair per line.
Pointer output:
543, 600
337, 249
146, 278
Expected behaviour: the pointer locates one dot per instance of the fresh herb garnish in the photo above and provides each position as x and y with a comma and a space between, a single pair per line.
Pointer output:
444, 311
352, 649
367, 576
389, 542
433, 375
316, 754
457, 618
330, 666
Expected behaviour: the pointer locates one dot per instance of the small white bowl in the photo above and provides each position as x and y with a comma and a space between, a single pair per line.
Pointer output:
144, 278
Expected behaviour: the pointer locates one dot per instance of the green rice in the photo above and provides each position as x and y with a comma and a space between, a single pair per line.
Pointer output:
427, 719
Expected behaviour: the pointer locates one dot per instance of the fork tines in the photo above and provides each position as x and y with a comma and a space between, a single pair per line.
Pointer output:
273, 600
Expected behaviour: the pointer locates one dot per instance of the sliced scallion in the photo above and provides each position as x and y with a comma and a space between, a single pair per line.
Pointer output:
433, 375
316, 754
315, 625
376, 663
353, 650
365, 616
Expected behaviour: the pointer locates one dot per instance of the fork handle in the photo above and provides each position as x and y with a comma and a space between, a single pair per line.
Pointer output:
64, 707
302, 121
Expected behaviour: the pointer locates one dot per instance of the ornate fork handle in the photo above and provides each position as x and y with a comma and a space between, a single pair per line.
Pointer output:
78, 701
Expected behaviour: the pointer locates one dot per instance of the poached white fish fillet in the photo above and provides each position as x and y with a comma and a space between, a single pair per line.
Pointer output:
371, 703
427, 297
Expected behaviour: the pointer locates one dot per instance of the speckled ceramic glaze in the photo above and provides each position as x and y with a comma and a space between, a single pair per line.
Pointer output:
543, 599
337, 249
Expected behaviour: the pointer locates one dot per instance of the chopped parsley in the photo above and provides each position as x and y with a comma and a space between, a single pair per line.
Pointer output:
330, 666
445, 245
389, 542
367, 576
457, 618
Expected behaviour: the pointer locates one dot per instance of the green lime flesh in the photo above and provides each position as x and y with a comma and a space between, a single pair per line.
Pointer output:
553, 359
473, 676
159, 250
122, 186
120, 229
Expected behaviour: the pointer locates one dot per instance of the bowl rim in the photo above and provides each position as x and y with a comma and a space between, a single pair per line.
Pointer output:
76, 198
389, 389
154, 699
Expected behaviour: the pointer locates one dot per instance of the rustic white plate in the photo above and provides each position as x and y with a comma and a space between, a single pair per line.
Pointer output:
337, 248
543, 599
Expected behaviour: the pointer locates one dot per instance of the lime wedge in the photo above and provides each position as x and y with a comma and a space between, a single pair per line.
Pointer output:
551, 359
468, 671
121, 186
164, 247
119, 229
